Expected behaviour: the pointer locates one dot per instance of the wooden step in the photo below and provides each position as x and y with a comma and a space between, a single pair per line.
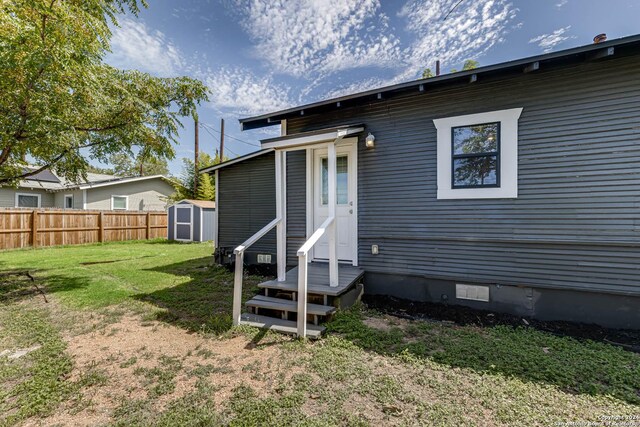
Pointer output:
261, 301
280, 325
318, 276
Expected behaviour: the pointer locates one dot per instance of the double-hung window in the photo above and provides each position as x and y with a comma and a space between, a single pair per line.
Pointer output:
119, 203
26, 200
475, 156
478, 155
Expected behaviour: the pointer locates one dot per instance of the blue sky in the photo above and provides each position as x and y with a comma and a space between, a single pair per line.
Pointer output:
259, 56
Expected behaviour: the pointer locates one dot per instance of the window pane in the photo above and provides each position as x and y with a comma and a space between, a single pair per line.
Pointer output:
68, 202
183, 215
475, 139
119, 203
342, 167
475, 171
27, 201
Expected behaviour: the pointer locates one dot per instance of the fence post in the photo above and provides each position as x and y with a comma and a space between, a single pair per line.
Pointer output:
148, 225
34, 228
101, 227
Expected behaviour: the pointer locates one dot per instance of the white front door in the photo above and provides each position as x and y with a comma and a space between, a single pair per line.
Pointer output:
347, 198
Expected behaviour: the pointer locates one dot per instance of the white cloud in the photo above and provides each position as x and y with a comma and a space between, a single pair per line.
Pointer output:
467, 33
242, 92
549, 41
136, 46
319, 37
561, 3
355, 87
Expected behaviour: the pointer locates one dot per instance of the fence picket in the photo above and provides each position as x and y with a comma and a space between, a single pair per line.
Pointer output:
50, 227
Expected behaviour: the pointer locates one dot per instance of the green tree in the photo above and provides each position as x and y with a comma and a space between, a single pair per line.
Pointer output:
427, 73
206, 189
469, 64
125, 165
184, 184
96, 169
62, 106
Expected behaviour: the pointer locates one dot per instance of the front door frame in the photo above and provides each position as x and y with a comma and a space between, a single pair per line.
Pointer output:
310, 181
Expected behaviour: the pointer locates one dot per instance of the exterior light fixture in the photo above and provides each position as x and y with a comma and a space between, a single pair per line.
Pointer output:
370, 141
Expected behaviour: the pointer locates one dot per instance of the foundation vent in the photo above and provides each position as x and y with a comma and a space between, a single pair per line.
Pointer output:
472, 292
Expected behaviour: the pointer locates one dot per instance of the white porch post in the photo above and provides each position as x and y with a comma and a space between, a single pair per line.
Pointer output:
281, 212
332, 188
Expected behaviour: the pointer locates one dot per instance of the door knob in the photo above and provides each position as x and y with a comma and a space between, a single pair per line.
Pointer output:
350, 211
351, 203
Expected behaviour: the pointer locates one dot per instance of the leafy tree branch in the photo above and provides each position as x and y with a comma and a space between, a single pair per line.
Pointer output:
62, 106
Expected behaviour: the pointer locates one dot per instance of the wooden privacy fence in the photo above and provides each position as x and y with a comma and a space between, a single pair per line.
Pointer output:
21, 228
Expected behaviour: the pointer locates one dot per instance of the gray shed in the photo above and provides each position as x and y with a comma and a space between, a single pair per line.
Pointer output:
192, 221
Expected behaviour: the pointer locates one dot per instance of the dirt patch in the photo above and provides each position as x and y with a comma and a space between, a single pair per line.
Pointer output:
380, 323
136, 356
461, 315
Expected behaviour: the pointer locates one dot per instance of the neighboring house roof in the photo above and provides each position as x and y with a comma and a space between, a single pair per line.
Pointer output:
236, 160
115, 181
520, 66
47, 180
199, 203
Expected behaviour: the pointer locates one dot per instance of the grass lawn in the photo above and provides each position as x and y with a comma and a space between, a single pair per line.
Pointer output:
139, 333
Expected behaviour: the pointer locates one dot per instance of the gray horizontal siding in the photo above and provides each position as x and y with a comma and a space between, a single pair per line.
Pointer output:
246, 192
296, 203
579, 182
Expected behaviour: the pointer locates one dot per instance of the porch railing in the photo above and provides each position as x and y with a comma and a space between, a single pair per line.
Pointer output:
239, 269
303, 262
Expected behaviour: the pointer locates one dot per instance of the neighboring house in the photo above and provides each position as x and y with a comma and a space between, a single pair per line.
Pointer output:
513, 187
99, 192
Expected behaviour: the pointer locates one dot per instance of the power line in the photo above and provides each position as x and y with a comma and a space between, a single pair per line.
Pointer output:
229, 136
206, 129
452, 9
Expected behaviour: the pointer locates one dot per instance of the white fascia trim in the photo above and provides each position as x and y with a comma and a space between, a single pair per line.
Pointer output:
17, 205
508, 155
126, 199
312, 139
121, 181
234, 161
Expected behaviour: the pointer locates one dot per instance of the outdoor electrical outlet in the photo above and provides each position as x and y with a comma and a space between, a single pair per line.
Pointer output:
374, 249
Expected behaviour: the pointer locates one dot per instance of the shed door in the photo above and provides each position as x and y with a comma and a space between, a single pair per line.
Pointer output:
184, 223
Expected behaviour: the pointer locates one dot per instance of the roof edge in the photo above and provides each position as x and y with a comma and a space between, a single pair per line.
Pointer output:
274, 118
236, 160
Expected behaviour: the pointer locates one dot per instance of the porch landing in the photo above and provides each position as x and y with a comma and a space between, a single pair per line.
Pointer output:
318, 279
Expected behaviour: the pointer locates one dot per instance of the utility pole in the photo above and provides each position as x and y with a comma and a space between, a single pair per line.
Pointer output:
221, 140
195, 161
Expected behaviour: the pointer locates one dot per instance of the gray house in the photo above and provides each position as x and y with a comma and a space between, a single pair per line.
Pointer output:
99, 192
513, 187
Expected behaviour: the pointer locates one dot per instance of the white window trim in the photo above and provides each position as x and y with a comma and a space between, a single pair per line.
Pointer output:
126, 198
68, 196
30, 195
508, 155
